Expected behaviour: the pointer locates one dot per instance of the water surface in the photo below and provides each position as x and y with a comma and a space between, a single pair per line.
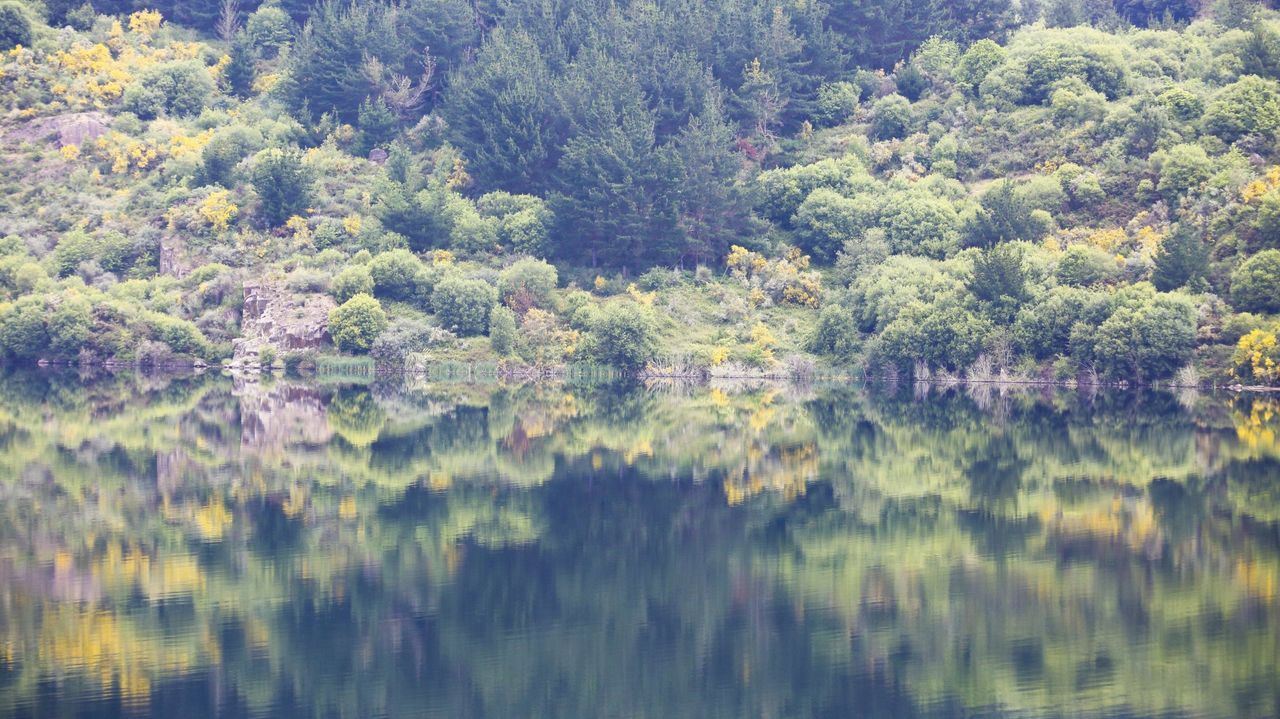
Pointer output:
203, 547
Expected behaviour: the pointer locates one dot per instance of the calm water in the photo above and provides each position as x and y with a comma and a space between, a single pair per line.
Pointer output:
197, 547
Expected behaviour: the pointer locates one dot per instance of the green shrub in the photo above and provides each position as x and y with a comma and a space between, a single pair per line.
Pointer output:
182, 336
1255, 285
527, 282
175, 88
351, 281
1085, 265
890, 117
283, 184
1148, 340
70, 326
356, 323
15, 26
269, 28
464, 305
623, 335
1247, 106
502, 330
827, 220
22, 328
835, 334
1183, 169
977, 62
394, 274
836, 103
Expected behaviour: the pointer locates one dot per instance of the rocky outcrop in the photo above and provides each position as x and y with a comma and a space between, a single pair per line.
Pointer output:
72, 128
285, 321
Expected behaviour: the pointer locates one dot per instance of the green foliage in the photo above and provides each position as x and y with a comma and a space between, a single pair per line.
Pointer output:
1003, 216
268, 29
836, 103
378, 125
351, 281
941, 334
1248, 106
527, 282
356, 323
464, 305
782, 191
22, 328
977, 62
998, 276
394, 274
917, 223
1183, 169
502, 330
890, 117
835, 334
1044, 329
242, 68
1183, 260
182, 336
827, 220
283, 184
1148, 339
175, 88
15, 26
1085, 266
624, 336
1255, 285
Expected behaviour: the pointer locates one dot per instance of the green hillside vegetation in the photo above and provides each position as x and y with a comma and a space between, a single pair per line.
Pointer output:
977, 189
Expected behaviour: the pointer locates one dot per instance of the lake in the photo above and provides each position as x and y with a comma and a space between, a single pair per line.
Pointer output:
208, 546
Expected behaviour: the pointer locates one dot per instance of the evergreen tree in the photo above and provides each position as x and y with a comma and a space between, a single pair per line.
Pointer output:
240, 71
283, 185
713, 211
378, 125
1182, 259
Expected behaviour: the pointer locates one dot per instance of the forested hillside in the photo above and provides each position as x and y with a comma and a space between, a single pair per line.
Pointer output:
1071, 189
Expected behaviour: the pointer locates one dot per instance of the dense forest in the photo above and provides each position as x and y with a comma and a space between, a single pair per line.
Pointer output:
1059, 189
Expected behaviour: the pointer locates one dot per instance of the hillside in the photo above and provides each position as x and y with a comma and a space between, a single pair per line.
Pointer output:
1074, 190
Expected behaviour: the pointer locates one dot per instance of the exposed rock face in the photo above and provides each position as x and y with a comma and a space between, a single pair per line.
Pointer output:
72, 128
274, 317
174, 258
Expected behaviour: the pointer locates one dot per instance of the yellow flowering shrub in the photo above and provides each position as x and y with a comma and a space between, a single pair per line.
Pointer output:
600, 283
218, 210
70, 153
1269, 181
145, 22
644, 298
126, 153
1257, 358
441, 258
785, 280
352, 224
719, 356
1109, 240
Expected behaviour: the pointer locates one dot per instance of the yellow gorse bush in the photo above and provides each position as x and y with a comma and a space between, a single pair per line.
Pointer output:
1257, 357
218, 210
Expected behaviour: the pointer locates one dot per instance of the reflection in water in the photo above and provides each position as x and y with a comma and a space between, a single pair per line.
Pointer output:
208, 547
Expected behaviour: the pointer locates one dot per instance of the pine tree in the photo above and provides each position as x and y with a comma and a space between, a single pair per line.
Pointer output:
1182, 259
240, 72
713, 210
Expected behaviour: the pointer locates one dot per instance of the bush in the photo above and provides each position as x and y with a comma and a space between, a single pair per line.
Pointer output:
623, 336
182, 336
836, 103
464, 305
269, 28
527, 282
890, 117
357, 323
827, 220
1085, 265
70, 326
22, 328
351, 281
15, 26
283, 184
942, 334
917, 223
1255, 285
1246, 107
175, 88
782, 190
977, 62
402, 337
1149, 340
836, 333
394, 274
502, 330
1183, 169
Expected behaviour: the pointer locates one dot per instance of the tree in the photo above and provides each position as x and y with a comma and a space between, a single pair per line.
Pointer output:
527, 283
623, 336
283, 185
1183, 169
464, 305
1085, 265
1003, 216
1254, 284
835, 334
890, 117
327, 68
394, 274
1183, 259
712, 210
502, 330
242, 68
15, 26
1148, 339
176, 88
1247, 106
22, 328
826, 221
378, 125
356, 323
836, 103
998, 276
351, 281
